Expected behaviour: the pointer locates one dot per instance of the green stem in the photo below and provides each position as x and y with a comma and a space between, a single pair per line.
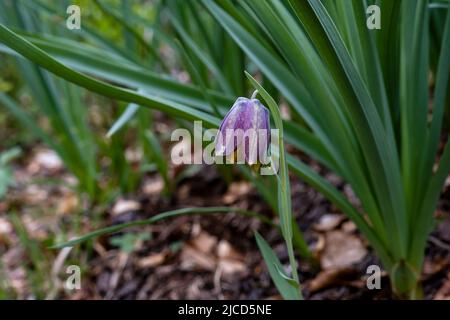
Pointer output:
405, 280
283, 179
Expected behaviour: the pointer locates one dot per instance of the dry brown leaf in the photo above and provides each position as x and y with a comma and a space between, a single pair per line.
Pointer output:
328, 278
5, 230
37, 228
319, 245
5, 226
34, 194
133, 155
328, 222
230, 266
204, 242
67, 204
198, 252
206, 253
341, 250
226, 251
13, 257
123, 205
192, 258
151, 261
153, 186
17, 279
235, 191
45, 159
230, 260
349, 227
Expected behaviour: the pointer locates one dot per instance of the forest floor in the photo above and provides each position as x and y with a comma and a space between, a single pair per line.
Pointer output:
195, 257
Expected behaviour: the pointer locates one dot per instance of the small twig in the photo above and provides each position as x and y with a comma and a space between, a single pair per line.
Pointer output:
439, 243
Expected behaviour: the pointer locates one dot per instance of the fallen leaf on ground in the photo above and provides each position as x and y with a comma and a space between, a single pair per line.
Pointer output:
231, 266
204, 252
67, 204
198, 252
319, 245
34, 194
235, 191
230, 260
123, 205
328, 222
328, 278
192, 258
349, 227
152, 260
133, 155
5, 230
153, 186
13, 257
45, 159
204, 242
5, 226
18, 280
341, 250
37, 228
226, 251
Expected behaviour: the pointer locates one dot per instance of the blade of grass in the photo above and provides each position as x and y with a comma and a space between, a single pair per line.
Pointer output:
195, 75
124, 118
38, 56
160, 217
285, 287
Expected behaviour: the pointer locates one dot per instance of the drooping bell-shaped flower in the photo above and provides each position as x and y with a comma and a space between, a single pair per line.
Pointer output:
244, 134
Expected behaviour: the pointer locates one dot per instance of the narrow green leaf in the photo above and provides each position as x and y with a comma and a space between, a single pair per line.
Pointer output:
126, 116
160, 217
38, 56
287, 289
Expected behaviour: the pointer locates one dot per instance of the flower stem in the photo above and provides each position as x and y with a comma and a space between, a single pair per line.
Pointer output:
284, 202
255, 93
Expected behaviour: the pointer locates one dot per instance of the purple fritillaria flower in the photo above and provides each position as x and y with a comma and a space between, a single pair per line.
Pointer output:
245, 132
